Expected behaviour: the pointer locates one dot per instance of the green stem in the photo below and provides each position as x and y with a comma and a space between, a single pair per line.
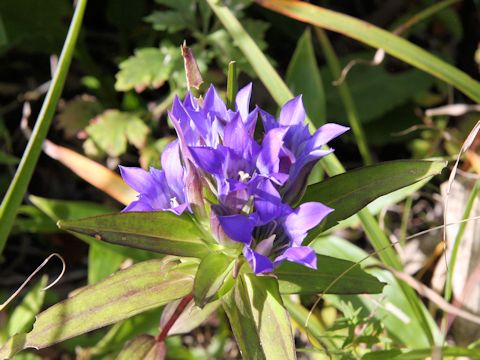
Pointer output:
346, 96
19, 184
407, 209
232, 84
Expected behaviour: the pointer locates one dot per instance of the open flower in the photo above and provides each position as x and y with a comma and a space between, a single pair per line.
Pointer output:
159, 189
255, 183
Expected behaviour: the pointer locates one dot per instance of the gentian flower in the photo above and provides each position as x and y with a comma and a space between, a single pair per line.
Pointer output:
159, 189
255, 183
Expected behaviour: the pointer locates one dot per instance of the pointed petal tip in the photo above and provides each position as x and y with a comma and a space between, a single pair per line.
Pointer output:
237, 227
302, 255
259, 263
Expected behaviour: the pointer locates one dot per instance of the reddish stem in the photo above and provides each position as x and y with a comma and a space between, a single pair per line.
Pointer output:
178, 311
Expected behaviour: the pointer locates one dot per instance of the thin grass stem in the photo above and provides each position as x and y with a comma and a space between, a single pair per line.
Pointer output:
19, 184
346, 96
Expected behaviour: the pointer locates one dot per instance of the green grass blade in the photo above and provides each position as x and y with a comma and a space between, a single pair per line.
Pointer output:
377, 38
346, 96
273, 82
456, 245
19, 184
424, 14
395, 322
458, 238
332, 165
303, 77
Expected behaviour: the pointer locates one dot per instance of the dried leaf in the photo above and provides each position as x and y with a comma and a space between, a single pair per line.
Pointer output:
75, 114
92, 172
194, 77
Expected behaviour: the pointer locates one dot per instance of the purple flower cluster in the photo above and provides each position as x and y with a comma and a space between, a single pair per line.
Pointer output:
254, 183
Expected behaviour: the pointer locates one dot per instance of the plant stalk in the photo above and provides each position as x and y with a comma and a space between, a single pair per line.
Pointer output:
18, 186
346, 96
176, 314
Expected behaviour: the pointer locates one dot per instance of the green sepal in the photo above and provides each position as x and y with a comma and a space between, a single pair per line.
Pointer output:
211, 273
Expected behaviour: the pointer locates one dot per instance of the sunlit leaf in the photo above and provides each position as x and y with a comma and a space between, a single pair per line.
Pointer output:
383, 202
139, 288
259, 321
420, 354
349, 192
148, 68
210, 276
112, 129
335, 276
191, 317
158, 231
91, 171
77, 209
102, 262
121, 332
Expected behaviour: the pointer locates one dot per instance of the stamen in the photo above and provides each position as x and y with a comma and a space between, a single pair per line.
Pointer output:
174, 202
243, 176
248, 207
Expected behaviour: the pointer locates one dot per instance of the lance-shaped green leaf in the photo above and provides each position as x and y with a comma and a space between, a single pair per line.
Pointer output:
55, 209
158, 231
258, 319
303, 77
210, 276
333, 276
143, 347
139, 288
349, 192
